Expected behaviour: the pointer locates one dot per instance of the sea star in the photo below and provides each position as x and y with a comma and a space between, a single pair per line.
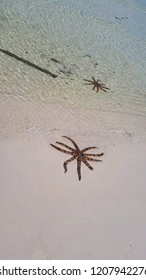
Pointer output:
96, 84
77, 154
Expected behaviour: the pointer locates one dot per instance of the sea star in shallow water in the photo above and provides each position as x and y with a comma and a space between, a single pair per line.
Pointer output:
96, 84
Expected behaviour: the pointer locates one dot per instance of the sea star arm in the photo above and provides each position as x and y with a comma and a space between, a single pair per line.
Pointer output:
94, 155
79, 168
94, 80
92, 159
86, 149
76, 146
71, 149
87, 80
61, 150
88, 84
66, 162
95, 86
103, 89
103, 85
87, 164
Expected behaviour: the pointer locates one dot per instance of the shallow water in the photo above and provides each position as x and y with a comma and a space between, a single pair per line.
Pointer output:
135, 4
75, 40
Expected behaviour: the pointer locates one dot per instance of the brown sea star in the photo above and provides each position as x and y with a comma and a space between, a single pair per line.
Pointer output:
77, 154
96, 84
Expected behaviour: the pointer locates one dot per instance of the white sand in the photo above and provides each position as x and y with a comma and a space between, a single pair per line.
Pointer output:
46, 214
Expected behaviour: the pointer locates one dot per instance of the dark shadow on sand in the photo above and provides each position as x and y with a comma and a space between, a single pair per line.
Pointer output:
28, 63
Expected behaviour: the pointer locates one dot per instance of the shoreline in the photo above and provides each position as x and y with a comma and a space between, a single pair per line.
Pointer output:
51, 120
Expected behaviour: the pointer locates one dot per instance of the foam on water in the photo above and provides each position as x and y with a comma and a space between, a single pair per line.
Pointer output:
75, 40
